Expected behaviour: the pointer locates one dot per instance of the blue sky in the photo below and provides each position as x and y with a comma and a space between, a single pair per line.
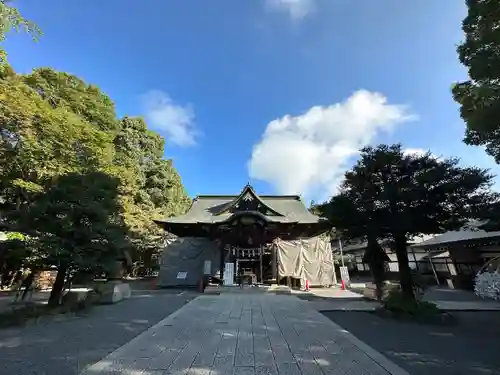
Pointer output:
276, 92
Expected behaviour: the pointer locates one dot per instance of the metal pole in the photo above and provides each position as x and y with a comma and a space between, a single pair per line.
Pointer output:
341, 252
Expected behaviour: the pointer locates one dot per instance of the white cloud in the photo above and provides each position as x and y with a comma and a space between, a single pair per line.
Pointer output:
420, 152
309, 153
174, 121
296, 9
414, 151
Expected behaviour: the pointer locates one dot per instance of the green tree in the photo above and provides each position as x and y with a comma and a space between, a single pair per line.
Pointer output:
11, 19
38, 142
65, 90
479, 97
78, 221
392, 195
54, 124
154, 187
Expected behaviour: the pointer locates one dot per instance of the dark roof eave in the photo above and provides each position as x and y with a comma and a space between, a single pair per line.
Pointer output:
161, 222
446, 244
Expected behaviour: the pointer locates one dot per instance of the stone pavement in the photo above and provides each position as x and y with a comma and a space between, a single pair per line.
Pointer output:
245, 334
335, 299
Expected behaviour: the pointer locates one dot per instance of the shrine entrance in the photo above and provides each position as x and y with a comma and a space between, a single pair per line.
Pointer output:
248, 264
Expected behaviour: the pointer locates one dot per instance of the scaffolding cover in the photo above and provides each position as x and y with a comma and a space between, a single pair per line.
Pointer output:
182, 261
306, 259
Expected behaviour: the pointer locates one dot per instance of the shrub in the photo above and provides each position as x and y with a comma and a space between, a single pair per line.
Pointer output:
487, 285
397, 303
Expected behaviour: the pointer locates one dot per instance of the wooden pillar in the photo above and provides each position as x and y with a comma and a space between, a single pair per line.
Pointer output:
221, 264
415, 258
274, 264
261, 250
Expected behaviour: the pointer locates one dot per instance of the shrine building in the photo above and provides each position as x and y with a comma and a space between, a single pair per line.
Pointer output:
265, 238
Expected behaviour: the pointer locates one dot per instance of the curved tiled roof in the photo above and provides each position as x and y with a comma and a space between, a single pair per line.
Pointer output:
207, 209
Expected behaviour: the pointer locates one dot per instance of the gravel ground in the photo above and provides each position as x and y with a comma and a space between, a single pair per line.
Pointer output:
65, 348
470, 347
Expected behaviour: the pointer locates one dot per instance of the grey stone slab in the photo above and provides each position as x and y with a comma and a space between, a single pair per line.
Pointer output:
310, 368
199, 370
288, 368
227, 346
243, 359
266, 370
223, 366
161, 362
244, 371
283, 355
263, 352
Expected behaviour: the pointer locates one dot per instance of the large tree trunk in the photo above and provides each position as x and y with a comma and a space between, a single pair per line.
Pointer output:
404, 267
28, 286
3, 253
375, 256
57, 288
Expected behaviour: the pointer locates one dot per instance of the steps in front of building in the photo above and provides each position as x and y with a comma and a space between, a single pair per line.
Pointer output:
222, 289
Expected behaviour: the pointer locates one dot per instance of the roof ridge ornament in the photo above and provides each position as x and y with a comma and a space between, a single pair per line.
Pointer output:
249, 200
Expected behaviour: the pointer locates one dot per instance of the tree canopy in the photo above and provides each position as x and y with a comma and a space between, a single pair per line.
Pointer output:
479, 97
79, 182
389, 194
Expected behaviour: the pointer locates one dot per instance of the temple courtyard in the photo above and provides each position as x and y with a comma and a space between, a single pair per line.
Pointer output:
181, 332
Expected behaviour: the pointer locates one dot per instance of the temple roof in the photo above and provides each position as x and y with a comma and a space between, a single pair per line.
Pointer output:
213, 209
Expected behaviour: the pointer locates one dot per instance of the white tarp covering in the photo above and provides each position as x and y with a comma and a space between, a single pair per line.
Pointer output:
306, 259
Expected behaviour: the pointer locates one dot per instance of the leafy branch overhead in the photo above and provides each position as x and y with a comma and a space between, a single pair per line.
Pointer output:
479, 97
11, 19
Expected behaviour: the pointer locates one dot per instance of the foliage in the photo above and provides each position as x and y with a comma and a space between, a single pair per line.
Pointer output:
72, 132
79, 182
38, 142
10, 18
63, 90
479, 97
154, 186
78, 219
391, 195
399, 303
78, 223
487, 285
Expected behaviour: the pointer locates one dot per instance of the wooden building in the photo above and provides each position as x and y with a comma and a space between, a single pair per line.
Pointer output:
247, 230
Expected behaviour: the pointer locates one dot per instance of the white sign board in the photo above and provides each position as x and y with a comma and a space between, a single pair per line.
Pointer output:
229, 274
207, 267
344, 274
182, 275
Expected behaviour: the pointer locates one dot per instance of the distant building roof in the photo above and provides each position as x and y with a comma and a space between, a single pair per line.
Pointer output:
356, 245
469, 232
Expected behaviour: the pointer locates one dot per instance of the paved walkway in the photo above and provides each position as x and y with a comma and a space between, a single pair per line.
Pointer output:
245, 334
445, 299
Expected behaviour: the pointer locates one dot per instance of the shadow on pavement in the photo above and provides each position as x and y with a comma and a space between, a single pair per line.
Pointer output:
68, 346
469, 347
